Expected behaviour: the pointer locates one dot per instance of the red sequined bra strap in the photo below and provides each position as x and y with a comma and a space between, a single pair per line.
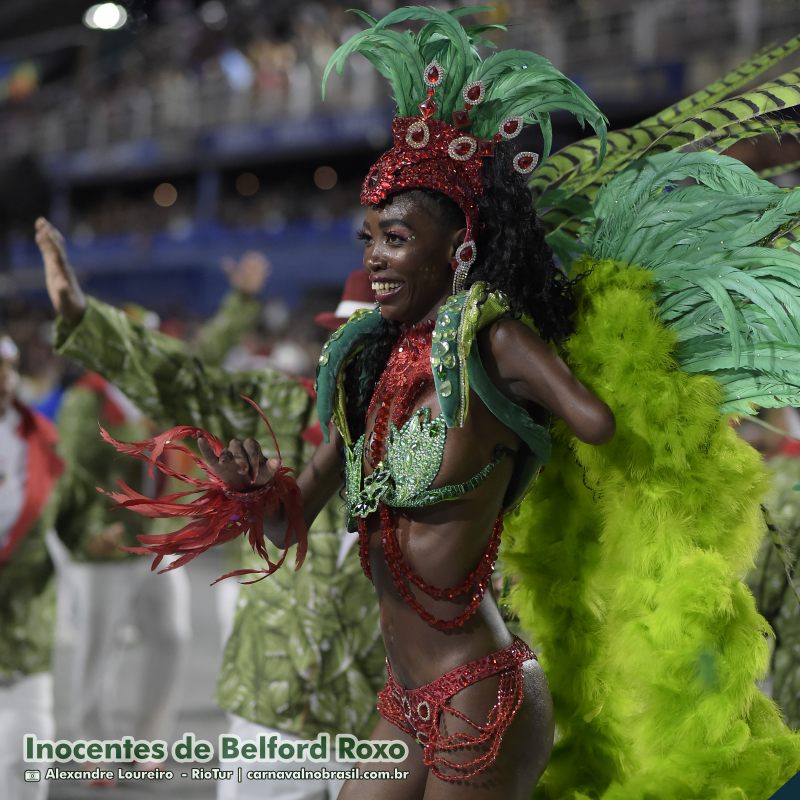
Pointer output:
406, 375
473, 586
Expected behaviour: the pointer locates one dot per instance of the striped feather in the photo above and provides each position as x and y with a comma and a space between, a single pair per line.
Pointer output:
733, 81
786, 238
781, 169
724, 138
779, 94
571, 162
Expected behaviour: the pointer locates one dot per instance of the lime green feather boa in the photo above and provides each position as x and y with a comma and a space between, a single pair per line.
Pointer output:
628, 559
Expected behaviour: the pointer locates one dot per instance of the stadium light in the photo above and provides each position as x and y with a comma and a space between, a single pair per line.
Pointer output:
325, 178
214, 15
105, 17
165, 195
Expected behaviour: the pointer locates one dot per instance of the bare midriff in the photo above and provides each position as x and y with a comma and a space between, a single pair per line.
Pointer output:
442, 544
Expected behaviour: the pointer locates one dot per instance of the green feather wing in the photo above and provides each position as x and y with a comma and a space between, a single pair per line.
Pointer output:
722, 287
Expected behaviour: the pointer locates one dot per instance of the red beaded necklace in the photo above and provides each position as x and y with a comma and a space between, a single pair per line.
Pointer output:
406, 375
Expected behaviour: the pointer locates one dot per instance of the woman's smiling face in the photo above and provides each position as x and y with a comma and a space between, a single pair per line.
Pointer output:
407, 252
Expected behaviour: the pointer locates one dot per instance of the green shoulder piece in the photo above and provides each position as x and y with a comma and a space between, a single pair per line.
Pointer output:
448, 353
457, 368
457, 325
342, 345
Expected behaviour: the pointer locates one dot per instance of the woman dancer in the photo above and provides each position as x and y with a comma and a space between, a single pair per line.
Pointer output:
439, 427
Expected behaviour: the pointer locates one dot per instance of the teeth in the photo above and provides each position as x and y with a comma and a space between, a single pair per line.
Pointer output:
381, 288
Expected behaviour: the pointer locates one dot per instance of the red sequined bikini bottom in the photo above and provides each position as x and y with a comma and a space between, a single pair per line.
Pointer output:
420, 712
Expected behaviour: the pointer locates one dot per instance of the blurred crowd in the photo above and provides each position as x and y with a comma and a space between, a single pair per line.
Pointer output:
191, 65
240, 62
130, 208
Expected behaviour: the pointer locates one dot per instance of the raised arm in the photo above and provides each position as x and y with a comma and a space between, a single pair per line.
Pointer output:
239, 310
175, 388
169, 384
528, 371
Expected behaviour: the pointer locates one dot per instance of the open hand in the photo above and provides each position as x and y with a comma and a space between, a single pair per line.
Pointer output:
249, 274
65, 292
241, 465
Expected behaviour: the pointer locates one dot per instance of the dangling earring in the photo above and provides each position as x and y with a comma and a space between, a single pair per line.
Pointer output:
465, 258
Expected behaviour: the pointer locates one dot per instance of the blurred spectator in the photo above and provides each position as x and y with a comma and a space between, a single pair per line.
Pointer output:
101, 587
774, 578
35, 498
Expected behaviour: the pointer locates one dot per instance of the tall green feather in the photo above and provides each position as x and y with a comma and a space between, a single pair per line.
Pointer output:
518, 83
574, 159
704, 120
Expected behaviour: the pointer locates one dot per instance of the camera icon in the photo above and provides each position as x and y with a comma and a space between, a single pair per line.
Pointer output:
32, 775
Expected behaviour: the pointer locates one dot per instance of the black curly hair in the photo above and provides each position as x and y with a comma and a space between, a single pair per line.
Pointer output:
513, 257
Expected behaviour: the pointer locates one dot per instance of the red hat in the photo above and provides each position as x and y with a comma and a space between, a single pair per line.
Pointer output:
357, 293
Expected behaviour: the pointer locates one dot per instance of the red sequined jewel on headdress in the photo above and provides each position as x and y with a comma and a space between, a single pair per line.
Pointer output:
525, 162
511, 127
474, 93
434, 74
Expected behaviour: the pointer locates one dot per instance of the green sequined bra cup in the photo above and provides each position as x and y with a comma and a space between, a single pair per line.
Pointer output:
413, 459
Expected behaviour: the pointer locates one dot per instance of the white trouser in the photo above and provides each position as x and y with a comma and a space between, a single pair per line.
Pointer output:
26, 706
226, 596
275, 790
96, 600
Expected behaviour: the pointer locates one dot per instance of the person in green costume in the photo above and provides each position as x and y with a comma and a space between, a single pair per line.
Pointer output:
35, 497
773, 579
774, 582
320, 624
101, 586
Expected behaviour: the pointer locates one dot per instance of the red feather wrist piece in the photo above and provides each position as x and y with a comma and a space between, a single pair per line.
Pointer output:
219, 514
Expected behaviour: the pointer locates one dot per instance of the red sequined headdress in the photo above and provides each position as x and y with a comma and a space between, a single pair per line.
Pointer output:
453, 107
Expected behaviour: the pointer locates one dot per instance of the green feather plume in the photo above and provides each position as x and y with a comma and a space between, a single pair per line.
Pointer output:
628, 560
518, 83
732, 301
